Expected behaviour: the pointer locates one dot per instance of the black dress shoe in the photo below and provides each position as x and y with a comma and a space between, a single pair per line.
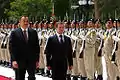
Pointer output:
48, 74
37, 70
99, 77
42, 72
117, 78
68, 77
1, 62
5, 63
83, 78
75, 78
8, 64
90, 79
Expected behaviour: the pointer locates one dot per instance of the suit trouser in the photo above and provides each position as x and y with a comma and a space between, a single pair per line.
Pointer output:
24, 66
59, 70
89, 61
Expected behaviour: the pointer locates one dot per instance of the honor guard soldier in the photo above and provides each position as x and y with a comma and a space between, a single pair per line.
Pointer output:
81, 48
42, 55
75, 70
115, 54
1, 41
90, 50
107, 50
31, 24
4, 46
98, 50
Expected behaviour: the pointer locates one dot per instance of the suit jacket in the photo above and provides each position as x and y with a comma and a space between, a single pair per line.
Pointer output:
57, 52
20, 49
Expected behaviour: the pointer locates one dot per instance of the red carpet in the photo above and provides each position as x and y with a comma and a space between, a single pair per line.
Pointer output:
5, 78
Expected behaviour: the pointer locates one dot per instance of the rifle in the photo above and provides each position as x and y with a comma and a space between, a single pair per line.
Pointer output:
114, 50
115, 46
4, 41
74, 49
68, 23
100, 47
82, 49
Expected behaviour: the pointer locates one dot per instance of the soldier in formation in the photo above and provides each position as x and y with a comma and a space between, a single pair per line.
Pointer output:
92, 42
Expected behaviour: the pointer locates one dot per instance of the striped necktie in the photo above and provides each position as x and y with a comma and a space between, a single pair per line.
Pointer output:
25, 35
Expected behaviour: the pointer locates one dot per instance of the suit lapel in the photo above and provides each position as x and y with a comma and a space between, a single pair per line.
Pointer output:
29, 34
20, 34
64, 39
56, 38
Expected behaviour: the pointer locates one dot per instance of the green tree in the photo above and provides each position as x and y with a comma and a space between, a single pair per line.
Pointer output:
31, 8
107, 8
3, 5
61, 7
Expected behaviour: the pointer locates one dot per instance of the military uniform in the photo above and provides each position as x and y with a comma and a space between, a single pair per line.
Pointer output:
42, 56
0, 49
89, 53
75, 70
117, 55
98, 50
82, 71
107, 52
3, 49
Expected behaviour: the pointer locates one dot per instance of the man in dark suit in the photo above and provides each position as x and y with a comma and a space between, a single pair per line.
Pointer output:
24, 50
59, 54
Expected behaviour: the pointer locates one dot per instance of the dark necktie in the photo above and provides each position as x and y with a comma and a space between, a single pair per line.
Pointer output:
107, 33
25, 35
61, 40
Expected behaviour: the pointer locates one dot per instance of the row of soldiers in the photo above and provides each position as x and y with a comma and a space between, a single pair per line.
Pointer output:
92, 43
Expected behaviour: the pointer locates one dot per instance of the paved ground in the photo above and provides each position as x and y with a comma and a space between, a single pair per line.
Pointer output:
8, 72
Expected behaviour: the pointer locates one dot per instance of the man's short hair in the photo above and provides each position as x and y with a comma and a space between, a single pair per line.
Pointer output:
59, 23
23, 16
